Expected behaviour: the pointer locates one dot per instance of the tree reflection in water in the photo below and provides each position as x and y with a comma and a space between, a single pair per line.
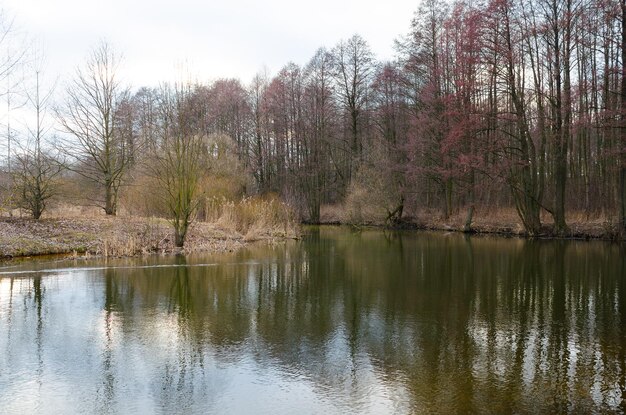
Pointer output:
365, 322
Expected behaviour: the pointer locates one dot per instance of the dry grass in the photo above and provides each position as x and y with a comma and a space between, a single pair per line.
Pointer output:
257, 218
501, 220
489, 220
333, 214
66, 210
87, 231
507, 221
105, 236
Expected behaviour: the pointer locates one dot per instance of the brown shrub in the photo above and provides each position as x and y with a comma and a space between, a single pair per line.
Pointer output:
257, 217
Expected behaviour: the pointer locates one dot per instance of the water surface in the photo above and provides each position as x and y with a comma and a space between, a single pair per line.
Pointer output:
340, 322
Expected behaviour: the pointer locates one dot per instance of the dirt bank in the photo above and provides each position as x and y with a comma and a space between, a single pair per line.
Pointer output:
110, 236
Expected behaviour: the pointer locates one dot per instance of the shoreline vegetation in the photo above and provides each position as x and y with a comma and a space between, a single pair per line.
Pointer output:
70, 231
501, 222
497, 117
128, 236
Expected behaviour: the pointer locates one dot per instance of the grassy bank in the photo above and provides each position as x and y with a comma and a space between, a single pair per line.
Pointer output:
73, 232
103, 236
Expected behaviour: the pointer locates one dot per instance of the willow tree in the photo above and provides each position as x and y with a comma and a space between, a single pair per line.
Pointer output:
177, 160
97, 151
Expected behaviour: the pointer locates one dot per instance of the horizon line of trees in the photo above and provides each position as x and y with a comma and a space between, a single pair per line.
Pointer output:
500, 103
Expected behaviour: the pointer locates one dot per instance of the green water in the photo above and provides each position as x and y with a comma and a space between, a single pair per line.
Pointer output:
339, 322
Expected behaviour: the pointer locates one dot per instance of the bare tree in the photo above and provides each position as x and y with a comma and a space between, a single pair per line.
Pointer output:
98, 151
177, 160
622, 167
354, 67
259, 126
319, 109
37, 169
12, 54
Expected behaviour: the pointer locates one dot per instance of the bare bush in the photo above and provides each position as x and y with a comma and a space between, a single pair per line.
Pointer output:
259, 218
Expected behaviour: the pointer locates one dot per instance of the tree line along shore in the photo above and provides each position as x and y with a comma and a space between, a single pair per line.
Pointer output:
504, 117
97, 235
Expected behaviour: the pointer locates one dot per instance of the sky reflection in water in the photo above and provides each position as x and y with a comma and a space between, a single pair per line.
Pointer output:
340, 322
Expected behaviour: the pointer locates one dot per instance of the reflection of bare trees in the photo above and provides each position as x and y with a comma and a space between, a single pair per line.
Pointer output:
456, 322
107, 388
38, 298
443, 323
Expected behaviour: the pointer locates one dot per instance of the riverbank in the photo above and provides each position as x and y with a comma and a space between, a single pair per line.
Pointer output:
504, 222
118, 237
132, 236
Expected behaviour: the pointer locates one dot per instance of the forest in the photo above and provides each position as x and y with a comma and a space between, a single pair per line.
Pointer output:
500, 104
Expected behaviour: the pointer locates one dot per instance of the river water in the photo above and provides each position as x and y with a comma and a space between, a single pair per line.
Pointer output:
348, 322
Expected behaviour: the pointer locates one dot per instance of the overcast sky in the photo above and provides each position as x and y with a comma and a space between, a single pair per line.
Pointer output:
208, 39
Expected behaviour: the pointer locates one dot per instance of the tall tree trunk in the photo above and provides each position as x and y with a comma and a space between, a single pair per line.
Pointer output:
180, 232
472, 200
562, 112
110, 202
526, 185
622, 170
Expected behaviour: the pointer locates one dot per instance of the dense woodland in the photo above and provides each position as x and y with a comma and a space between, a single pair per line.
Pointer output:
494, 104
